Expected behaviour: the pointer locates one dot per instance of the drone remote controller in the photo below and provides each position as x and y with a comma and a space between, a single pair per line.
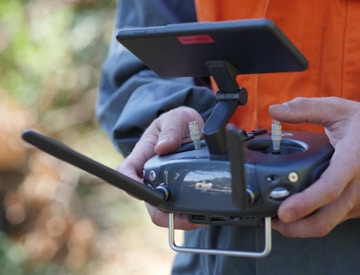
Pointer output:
246, 188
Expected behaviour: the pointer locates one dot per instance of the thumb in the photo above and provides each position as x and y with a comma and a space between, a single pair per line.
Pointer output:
174, 128
298, 110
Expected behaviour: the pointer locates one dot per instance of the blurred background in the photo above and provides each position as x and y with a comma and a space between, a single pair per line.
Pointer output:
56, 219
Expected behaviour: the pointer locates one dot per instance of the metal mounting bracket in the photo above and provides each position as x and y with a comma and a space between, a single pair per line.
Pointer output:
236, 253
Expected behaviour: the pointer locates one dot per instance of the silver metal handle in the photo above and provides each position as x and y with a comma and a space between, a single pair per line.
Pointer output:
236, 253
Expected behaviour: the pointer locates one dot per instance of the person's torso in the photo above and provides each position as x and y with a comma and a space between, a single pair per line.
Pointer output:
326, 32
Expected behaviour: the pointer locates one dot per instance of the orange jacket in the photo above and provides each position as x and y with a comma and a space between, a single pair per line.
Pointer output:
327, 32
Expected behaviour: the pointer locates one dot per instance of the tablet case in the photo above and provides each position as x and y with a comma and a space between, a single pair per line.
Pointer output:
179, 50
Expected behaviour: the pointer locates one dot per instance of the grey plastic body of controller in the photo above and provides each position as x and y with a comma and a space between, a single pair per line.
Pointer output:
202, 188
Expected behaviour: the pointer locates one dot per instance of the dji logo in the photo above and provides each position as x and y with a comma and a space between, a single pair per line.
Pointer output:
203, 186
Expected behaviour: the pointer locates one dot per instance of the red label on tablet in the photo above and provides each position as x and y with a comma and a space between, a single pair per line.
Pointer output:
195, 39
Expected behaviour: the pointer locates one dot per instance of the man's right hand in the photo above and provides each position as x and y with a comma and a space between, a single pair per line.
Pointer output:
165, 135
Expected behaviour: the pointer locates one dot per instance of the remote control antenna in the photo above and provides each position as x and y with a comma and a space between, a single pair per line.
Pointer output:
276, 136
59, 150
195, 134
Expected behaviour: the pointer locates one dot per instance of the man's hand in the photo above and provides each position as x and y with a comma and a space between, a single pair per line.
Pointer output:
335, 196
164, 135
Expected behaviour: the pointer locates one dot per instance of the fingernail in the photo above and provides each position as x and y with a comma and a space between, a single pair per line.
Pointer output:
288, 216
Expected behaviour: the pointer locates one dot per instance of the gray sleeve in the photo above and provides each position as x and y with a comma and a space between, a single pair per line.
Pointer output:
131, 96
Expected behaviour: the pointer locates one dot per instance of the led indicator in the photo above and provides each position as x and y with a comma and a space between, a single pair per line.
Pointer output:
195, 39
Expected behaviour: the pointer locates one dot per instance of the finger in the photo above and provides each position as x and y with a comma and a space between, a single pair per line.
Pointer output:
163, 136
321, 222
161, 218
314, 110
133, 165
325, 190
163, 133
175, 128
317, 225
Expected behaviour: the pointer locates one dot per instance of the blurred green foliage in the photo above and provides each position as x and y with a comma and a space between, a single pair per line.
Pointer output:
55, 219
51, 51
